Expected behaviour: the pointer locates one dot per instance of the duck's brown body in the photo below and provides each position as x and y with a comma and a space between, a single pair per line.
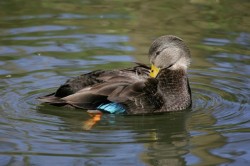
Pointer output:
132, 88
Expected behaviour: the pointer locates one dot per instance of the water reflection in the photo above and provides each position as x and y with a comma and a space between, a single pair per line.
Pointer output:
205, 138
155, 140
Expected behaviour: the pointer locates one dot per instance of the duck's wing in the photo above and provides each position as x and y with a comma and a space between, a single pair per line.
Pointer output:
137, 97
71, 86
89, 85
114, 89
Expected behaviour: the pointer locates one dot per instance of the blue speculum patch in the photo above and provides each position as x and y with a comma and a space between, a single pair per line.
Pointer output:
113, 108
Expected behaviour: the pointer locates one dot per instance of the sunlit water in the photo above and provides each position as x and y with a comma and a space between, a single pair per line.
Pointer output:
44, 43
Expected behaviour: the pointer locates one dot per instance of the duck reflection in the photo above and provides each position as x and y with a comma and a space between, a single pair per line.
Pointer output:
155, 139
169, 138
177, 138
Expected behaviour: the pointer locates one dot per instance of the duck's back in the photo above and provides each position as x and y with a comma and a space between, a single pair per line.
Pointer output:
73, 85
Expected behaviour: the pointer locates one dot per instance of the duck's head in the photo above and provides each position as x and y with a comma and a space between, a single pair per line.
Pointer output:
168, 52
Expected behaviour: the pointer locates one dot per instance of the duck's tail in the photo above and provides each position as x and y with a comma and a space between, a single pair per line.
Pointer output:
51, 99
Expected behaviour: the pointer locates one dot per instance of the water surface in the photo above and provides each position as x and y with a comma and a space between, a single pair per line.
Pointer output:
46, 42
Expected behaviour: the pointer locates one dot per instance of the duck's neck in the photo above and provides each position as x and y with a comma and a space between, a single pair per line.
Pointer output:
174, 87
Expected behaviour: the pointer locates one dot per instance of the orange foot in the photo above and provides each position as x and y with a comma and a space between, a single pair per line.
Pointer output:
95, 117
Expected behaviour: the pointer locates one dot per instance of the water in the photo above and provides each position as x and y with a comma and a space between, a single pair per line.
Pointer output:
43, 43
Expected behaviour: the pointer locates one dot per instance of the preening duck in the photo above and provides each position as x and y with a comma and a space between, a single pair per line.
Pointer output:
136, 90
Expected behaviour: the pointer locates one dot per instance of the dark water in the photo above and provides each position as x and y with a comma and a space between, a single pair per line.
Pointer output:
45, 42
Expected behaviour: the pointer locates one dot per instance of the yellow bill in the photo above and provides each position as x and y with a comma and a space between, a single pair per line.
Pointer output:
154, 71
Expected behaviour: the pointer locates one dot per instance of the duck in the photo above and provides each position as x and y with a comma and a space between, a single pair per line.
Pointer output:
142, 89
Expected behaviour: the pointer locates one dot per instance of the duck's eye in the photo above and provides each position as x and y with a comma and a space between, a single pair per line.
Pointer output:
157, 53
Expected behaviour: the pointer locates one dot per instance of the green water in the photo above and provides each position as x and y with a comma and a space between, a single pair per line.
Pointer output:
45, 42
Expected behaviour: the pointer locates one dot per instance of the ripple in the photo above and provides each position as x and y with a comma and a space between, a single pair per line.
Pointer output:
212, 93
221, 93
